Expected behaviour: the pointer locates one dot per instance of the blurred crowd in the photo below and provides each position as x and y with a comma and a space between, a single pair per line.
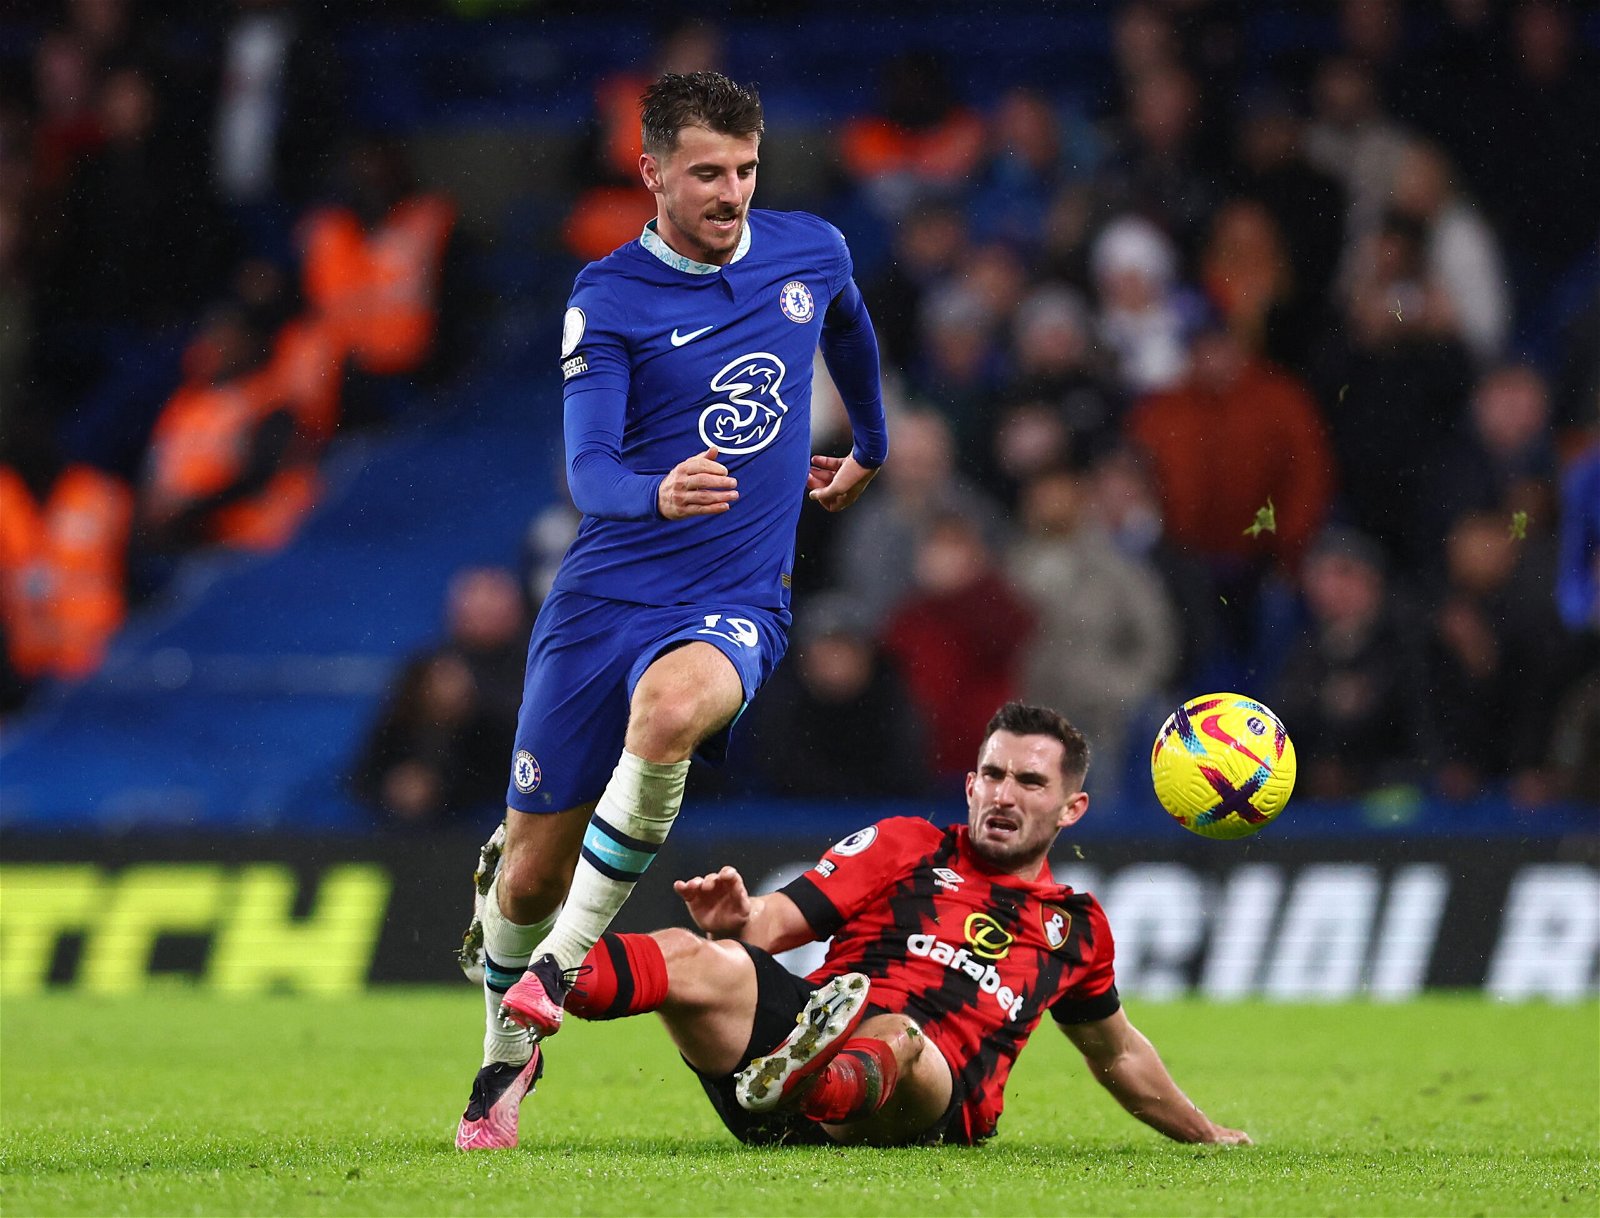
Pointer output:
1266, 368
1285, 383
204, 276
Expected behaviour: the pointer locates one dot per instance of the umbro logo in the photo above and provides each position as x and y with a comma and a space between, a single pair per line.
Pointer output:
679, 339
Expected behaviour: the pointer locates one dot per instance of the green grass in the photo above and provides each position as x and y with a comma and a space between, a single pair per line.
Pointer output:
179, 1103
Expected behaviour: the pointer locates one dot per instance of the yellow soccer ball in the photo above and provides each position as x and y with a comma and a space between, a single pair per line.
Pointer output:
1223, 765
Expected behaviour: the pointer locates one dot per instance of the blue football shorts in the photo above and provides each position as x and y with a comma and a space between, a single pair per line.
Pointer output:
584, 659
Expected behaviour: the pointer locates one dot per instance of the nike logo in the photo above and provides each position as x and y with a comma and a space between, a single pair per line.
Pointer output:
679, 339
1211, 725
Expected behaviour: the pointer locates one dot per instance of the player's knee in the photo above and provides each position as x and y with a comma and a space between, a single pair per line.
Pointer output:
665, 726
698, 969
532, 883
901, 1033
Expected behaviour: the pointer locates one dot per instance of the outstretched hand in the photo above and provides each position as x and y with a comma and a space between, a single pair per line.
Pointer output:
699, 486
837, 482
719, 903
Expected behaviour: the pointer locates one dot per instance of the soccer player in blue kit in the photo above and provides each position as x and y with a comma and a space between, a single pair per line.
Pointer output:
686, 358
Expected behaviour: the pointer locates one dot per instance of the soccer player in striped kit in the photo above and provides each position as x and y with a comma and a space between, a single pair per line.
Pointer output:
948, 948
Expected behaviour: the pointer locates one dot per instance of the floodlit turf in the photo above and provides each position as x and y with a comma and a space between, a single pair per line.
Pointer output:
177, 1103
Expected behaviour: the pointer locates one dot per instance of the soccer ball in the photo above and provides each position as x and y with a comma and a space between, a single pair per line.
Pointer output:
1223, 765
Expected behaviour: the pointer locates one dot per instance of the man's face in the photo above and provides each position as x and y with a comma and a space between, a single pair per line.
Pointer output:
703, 189
1018, 800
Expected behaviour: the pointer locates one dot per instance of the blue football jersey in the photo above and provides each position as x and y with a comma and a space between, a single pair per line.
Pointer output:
705, 356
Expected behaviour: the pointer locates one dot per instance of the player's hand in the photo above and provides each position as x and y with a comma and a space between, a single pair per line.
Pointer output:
699, 486
837, 482
1221, 1135
719, 903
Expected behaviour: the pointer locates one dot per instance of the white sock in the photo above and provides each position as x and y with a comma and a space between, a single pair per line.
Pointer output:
507, 948
629, 824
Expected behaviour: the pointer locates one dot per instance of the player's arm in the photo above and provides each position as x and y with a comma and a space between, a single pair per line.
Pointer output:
721, 906
850, 349
1124, 1061
597, 377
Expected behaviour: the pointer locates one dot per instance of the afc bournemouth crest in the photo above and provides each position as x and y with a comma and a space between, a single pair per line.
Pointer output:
1056, 923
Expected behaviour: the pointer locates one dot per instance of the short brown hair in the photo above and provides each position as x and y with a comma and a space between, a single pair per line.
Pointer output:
698, 99
1020, 719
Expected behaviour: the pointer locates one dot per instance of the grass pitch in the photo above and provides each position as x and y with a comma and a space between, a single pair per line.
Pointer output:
180, 1103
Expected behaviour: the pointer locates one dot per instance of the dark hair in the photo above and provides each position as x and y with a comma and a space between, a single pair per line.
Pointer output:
699, 99
1020, 719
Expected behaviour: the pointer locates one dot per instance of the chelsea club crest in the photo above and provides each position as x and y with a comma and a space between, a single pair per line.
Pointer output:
796, 303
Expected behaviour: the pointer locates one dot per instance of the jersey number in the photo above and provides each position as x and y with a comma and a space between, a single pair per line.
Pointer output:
738, 630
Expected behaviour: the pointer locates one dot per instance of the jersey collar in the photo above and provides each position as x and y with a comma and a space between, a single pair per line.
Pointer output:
652, 241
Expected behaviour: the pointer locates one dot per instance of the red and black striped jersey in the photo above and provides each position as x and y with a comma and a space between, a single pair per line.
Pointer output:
976, 957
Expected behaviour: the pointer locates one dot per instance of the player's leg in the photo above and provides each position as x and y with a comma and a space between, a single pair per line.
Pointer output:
518, 911
574, 711
535, 871
703, 989
888, 1085
684, 695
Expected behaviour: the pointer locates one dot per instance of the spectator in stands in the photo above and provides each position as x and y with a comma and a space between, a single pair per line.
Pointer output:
959, 636
439, 750
961, 359
430, 760
1144, 311
1494, 663
67, 123
837, 721
1542, 150
1463, 257
381, 271
1354, 687
232, 456
1057, 409
1393, 381
1143, 40
1373, 33
109, 32
485, 614
1351, 138
1308, 204
276, 118
921, 137
137, 241
1127, 506
930, 243
1107, 637
64, 530
1156, 167
880, 536
1246, 273
1032, 155
544, 543
1504, 460
1236, 434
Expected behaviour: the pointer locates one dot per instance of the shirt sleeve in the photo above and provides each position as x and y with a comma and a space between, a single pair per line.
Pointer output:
596, 375
850, 349
856, 869
1092, 996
